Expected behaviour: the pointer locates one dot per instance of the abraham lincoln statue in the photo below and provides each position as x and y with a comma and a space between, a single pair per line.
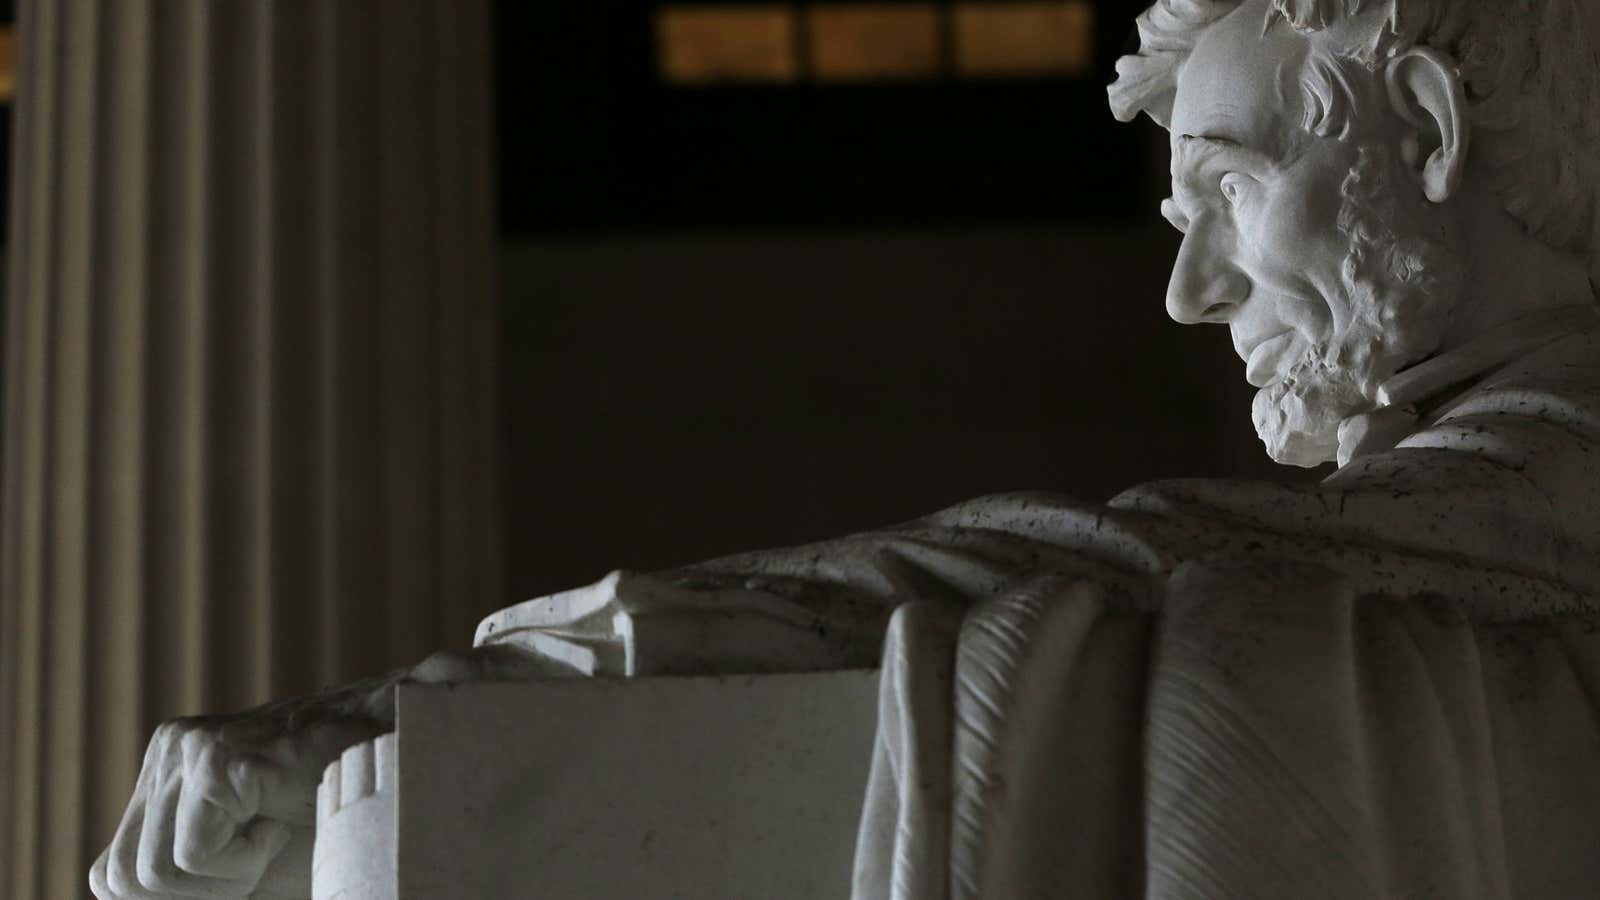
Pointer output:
1385, 684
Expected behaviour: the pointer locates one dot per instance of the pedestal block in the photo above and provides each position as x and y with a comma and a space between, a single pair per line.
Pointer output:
704, 788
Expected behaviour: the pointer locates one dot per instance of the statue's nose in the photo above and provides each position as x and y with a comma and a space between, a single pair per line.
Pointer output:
1205, 285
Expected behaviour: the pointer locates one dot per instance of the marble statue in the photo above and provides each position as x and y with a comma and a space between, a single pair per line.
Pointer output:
1384, 684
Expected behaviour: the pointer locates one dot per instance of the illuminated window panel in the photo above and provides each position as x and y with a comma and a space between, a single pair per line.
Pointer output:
1007, 40
874, 41
701, 45
8, 64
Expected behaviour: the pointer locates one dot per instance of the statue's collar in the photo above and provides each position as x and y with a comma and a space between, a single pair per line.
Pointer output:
1406, 397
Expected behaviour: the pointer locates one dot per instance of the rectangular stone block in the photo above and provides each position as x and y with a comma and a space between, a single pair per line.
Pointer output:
705, 788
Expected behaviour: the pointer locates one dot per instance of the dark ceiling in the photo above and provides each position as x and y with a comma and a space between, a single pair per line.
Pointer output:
591, 140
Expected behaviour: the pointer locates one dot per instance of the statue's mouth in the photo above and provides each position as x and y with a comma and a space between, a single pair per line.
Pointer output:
1264, 365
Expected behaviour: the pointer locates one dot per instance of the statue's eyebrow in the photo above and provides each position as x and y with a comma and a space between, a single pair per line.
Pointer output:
1190, 144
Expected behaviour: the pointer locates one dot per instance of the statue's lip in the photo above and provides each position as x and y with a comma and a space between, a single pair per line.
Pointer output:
1265, 359
1246, 344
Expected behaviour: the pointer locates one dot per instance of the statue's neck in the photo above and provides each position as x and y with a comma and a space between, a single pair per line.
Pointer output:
1413, 397
1509, 275
1431, 382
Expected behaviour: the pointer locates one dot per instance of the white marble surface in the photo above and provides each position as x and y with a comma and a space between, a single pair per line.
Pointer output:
358, 804
708, 788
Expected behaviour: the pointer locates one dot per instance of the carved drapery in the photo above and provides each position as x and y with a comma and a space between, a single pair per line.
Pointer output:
249, 411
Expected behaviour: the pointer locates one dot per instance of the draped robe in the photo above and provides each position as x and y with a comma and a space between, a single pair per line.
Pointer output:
1385, 684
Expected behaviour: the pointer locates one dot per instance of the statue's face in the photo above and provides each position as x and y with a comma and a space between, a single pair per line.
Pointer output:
1304, 246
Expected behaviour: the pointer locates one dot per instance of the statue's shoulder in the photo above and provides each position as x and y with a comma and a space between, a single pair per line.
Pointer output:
1557, 385
1537, 420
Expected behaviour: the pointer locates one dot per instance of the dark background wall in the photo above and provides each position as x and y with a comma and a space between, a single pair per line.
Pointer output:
742, 316
669, 399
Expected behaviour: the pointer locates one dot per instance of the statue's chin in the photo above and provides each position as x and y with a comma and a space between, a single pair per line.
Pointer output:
1296, 427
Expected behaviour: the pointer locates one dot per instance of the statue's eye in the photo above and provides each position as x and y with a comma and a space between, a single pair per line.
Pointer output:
1232, 187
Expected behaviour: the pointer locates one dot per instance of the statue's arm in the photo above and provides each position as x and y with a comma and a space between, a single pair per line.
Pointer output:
1439, 504
823, 606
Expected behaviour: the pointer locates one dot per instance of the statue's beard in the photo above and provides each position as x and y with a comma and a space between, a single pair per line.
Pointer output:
1399, 286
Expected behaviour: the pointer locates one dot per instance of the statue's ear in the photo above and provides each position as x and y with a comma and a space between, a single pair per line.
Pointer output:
1425, 90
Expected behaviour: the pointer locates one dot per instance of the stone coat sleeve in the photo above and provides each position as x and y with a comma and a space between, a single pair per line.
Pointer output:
1272, 732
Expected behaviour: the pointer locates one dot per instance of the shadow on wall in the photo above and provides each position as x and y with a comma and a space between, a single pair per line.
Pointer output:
674, 399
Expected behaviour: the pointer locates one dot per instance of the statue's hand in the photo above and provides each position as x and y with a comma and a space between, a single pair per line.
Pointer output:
224, 807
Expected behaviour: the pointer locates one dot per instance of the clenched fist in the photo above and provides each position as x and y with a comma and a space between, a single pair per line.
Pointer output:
224, 807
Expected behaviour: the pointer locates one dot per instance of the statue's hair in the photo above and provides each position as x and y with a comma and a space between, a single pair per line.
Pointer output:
1529, 71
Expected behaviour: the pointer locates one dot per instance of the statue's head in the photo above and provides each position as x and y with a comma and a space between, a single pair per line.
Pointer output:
1336, 164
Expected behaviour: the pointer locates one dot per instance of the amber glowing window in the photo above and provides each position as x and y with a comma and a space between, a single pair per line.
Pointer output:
1027, 38
874, 41
8, 64
842, 41
712, 44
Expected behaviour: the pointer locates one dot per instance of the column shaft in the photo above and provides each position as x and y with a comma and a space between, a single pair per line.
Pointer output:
249, 442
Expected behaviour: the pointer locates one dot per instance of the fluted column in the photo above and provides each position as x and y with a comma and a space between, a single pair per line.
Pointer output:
249, 431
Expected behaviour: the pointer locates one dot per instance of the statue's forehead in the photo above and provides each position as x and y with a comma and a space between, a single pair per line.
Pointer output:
1241, 84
